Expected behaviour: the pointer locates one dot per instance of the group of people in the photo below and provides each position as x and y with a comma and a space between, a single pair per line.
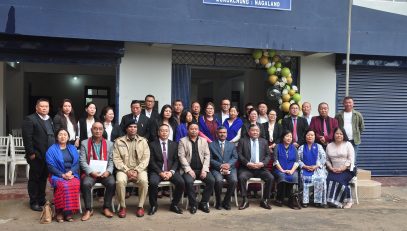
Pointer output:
180, 146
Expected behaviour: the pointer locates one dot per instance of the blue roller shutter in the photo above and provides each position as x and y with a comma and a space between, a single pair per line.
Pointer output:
380, 94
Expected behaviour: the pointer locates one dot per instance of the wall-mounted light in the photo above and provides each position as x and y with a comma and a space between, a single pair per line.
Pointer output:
75, 78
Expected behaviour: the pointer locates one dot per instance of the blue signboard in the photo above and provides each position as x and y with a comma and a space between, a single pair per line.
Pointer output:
263, 4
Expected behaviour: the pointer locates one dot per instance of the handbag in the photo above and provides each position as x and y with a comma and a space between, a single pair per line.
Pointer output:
46, 215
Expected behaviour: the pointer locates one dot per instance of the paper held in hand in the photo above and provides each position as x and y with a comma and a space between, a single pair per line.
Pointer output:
98, 166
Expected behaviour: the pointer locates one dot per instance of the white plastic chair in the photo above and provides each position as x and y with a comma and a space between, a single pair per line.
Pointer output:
160, 185
4, 158
97, 186
17, 157
354, 187
17, 132
256, 181
197, 183
231, 199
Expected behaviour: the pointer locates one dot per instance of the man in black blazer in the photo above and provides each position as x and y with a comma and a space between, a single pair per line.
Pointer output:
141, 120
301, 127
149, 111
223, 114
163, 166
223, 161
254, 155
38, 135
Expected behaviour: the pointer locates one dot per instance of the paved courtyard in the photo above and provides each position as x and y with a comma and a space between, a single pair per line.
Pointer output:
387, 213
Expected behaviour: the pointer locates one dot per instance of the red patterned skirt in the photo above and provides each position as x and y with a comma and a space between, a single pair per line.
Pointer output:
66, 195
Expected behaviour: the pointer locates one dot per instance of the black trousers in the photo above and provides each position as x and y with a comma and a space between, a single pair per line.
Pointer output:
189, 187
231, 180
245, 174
37, 181
88, 182
284, 189
154, 179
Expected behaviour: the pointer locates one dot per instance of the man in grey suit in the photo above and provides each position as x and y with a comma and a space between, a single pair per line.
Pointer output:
254, 155
223, 160
99, 149
194, 157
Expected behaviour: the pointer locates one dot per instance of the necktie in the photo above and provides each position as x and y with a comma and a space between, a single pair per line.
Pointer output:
165, 165
325, 129
295, 129
222, 148
253, 157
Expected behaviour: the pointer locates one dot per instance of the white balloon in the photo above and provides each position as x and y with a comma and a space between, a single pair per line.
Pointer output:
285, 92
284, 79
282, 84
266, 53
279, 69
280, 101
295, 88
292, 101
268, 65
257, 61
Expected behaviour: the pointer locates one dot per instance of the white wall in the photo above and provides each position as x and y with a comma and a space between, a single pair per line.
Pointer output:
144, 70
318, 81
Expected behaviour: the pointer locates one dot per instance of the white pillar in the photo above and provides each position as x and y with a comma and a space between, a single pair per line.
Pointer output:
144, 70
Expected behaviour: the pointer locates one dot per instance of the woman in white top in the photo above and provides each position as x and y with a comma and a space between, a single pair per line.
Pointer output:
112, 130
340, 164
85, 123
65, 118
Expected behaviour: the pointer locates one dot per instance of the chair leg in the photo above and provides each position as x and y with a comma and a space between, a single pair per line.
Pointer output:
5, 173
356, 193
262, 190
237, 203
80, 204
27, 171
12, 172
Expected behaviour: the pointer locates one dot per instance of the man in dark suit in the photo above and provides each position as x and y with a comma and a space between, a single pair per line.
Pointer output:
163, 166
254, 155
323, 125
38, 135
223, 114
223, 160
196, 111
149, 111
136, 115
297, 125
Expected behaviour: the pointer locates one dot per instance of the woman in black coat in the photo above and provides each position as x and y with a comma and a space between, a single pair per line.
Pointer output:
65, 118
112, 129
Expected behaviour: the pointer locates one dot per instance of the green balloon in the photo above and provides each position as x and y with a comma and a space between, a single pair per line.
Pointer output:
278, 65
271, 70
296, 97
257, 54
285, 72
272, 53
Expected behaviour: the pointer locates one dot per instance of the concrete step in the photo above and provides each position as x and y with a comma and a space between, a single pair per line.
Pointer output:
364, 174
369, 189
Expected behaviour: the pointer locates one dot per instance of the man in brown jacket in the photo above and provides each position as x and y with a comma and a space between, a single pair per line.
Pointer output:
131, 156
194, 157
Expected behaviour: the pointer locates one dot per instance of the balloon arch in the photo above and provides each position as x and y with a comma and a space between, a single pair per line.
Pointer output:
281, 89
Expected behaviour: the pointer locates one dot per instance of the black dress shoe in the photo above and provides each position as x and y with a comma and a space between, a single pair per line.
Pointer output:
244, 205
278, 203
153, 209
203, 206
192, 209
226, 206
176, 209
36, 207
217, 206
264, 204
